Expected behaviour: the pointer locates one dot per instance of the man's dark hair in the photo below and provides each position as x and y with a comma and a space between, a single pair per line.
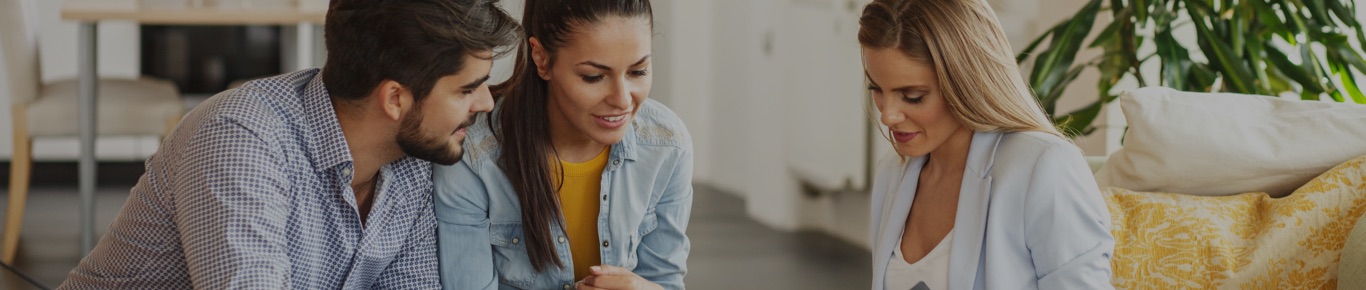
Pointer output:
412, 42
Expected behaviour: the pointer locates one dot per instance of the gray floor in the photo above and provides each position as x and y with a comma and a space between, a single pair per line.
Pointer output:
732, 251
729, 250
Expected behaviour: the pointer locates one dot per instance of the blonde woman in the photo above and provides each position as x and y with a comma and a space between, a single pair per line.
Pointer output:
984, 193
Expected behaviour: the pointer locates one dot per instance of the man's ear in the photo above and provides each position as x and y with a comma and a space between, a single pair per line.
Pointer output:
540, 57
394, 99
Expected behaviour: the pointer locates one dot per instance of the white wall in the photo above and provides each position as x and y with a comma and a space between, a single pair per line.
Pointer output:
502, 67
825, 117
747, 114
682, 74
785, 100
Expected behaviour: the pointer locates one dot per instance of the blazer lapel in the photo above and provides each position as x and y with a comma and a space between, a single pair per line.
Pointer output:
895, 207
974, 199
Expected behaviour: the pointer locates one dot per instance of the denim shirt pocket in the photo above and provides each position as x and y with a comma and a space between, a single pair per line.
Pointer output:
647, 225
510, 258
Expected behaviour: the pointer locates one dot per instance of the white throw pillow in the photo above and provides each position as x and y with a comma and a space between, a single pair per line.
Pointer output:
1222, 144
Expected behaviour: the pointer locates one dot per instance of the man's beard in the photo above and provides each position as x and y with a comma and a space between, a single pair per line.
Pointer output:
435, 149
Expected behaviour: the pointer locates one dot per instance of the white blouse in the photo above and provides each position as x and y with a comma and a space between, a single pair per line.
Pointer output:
930, 273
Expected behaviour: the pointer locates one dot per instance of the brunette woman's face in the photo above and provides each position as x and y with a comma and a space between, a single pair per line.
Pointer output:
598, 78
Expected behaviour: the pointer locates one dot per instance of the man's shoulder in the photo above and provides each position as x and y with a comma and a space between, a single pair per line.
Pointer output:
263, 107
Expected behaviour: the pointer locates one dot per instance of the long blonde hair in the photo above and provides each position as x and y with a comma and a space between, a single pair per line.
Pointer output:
965, 45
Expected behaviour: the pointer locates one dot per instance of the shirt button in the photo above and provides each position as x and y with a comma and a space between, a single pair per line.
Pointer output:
616, 162
515, 240
604, 197
561, 240
605, 244
566, 286
346, 171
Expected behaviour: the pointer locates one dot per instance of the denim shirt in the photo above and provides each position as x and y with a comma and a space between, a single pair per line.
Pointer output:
646, 202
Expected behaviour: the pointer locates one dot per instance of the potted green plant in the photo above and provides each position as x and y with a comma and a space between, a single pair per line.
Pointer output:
1246, 46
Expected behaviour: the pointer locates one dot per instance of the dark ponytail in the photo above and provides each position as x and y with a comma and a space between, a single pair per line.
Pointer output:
523, 124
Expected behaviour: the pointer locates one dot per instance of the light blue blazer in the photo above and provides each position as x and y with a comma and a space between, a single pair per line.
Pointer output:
1029, 216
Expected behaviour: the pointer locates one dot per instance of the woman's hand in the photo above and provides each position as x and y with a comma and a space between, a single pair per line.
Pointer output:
614, 278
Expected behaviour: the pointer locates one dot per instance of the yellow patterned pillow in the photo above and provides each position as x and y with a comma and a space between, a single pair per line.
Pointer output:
1244, 241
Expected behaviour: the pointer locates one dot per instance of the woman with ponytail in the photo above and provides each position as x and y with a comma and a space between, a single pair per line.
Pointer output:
576, 180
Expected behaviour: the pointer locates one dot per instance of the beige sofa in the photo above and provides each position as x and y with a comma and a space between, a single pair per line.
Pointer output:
1351, 271
1210, 144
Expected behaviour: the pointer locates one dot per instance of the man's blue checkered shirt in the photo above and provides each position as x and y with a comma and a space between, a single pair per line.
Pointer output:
251, 192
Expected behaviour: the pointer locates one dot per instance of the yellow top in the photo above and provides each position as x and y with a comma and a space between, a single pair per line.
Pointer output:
579, 200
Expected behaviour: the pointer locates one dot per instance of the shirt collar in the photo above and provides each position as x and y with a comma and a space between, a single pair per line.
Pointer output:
626, 149
326, 144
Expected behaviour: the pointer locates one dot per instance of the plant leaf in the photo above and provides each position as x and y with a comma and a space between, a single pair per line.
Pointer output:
1316, 9
1140, 8
1049, 101
1306, 95
1052, 67
1117, 7
1278, 81
1202, 78
1350, 84
1282, 63
1271, 23
1175, 59
1310, 61
1344, 15
1295, 17
1350, 56
1236, 74
1342, 69
1077, 123
1029, 49
1108, 34
1238, 39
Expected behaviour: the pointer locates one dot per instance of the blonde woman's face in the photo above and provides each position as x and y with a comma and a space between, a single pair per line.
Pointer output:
909, 101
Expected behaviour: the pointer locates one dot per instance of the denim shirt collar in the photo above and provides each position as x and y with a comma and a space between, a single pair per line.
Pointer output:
626, 148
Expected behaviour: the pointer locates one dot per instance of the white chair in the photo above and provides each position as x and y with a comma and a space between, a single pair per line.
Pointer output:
126, 107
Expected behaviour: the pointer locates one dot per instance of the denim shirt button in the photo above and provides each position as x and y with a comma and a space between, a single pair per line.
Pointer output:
566, 286
604, 244
616, 162
515, 240
561, 240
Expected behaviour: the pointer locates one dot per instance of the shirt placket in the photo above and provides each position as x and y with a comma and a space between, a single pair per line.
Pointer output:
604, 214
351, 224
368, 234
566, 274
